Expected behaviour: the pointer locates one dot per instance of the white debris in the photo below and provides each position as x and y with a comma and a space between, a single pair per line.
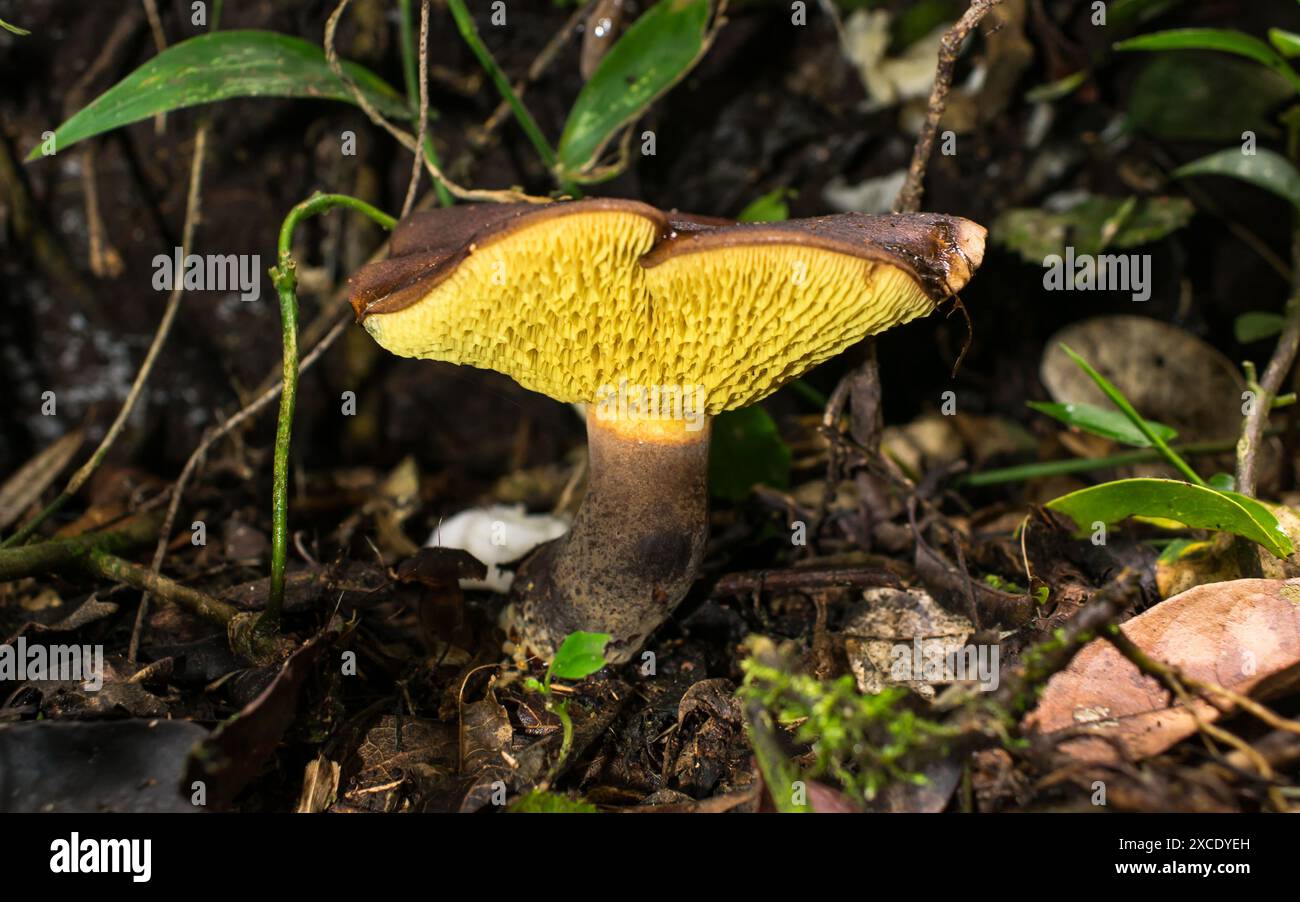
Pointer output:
498, 534
874, 195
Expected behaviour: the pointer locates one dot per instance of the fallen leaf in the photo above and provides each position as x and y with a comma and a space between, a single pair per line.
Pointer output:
115, 765
1243, 635
21, 490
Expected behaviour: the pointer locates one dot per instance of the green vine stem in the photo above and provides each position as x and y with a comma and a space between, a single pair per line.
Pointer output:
285, 278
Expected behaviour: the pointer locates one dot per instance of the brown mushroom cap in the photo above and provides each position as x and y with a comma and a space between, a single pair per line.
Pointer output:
572, 298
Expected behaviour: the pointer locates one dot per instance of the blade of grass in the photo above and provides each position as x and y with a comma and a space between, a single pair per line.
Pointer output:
469, 32
1117, 398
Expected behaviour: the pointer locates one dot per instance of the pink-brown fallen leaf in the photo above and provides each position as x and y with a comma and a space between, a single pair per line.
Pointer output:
1243, 635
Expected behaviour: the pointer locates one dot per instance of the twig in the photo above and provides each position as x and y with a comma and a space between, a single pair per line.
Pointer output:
909, 196
1278, 366
805, 579
105, 261
160, 44
146, 368
1178, 683
405, 138
41, 557
422, 119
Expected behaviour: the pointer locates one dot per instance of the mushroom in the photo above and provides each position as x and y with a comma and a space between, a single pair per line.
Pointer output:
657, 322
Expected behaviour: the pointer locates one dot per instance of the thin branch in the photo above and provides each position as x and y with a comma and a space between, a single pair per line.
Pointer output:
909, 196
1252, 432
405, 138
422, 120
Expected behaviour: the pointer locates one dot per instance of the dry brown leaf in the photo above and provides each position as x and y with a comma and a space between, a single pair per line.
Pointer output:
21, 490
1243, 635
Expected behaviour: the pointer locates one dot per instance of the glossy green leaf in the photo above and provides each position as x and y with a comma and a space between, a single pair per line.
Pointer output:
541, 801
746, 450
1286, 42
580, 655
1222, 482
1222, 39
771, 207
1196, 506
1264, 168
219, 66
1256, 325
1205, 97
1090, 226
1106, 423
652, 55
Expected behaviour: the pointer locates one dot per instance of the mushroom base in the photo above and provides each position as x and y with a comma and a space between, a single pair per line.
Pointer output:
636, 544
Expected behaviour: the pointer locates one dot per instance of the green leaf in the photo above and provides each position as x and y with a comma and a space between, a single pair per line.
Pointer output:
1205, 97
1256, 325
1222, 39
1196, 506
1090, 226
746, 450
771, 207
218, 66
652, 55
1055, 90
580, 655
13, 28
1222, 482
1264, 168
1106, 423
1286, 42
540, 801
1117, 398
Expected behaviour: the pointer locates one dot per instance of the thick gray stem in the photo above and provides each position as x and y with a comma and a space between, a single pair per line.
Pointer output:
636, 544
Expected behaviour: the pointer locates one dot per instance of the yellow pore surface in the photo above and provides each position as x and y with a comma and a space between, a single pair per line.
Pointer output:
566, 309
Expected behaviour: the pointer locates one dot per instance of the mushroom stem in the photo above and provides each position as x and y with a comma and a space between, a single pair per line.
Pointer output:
637, 541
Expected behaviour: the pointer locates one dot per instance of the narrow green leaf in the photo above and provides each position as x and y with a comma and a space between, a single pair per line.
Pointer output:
1256, 325
746, 450
580, 655
652, 55
1264, 169
1222, 39
1196, 506
218, 66
1055, 90
13, 28
1117, 398
1106, 423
